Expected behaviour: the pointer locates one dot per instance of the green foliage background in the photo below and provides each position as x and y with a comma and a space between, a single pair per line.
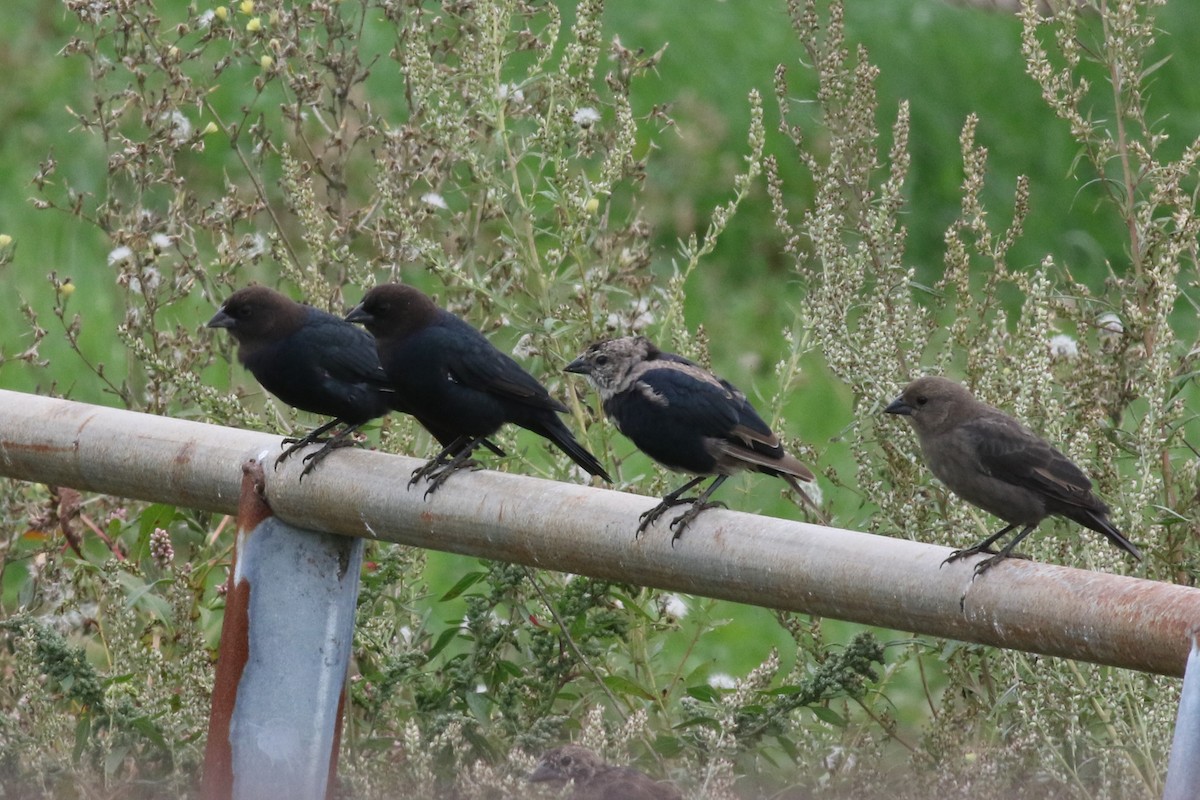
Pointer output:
728, 701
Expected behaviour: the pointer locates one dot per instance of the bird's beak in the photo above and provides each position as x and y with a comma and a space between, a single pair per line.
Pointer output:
898, 406
578, 366
357, 314
544, 772
221, 320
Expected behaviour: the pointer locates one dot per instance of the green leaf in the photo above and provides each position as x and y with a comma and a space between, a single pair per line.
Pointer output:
829, 716
704, 693
464, 583
442, 640
626, 686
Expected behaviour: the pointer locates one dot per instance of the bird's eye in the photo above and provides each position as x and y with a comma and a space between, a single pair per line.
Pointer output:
922, 400
601, 360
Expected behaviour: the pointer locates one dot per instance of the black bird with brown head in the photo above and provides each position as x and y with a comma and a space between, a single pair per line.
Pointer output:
458, 386
309, 359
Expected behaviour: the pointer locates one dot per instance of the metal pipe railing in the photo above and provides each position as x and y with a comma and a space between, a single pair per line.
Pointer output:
891, 583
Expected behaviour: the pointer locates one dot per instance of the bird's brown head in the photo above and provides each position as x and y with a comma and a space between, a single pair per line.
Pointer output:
571, 762
393, 310
933, 404
609, 365
259, 314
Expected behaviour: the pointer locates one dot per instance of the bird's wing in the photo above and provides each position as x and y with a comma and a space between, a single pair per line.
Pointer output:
474, 362
719, 409
345, 352
696, 401
1011, 453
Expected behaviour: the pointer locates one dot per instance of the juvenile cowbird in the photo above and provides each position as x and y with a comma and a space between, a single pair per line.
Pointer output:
309, 359
992, 461
595, 780
685, 418
461, 388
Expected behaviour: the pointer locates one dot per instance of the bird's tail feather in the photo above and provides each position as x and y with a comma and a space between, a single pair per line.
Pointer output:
1099, 523
808, 501
561, 435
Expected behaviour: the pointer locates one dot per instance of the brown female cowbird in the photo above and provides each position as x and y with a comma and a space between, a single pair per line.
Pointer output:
310, 360
595, 780
461, 388
992, 461
685, 418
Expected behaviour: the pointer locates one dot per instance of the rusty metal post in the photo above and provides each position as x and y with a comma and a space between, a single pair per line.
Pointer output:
1183, 770
285, 650
777, 563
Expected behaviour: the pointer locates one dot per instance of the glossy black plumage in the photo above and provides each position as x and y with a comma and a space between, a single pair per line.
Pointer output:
309, 359
450, 377
592, 779
994, 462
685, 418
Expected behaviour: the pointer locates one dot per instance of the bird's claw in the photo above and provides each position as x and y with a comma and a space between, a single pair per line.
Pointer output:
983, 566
680, 523
438, 473
968, 551
648, 518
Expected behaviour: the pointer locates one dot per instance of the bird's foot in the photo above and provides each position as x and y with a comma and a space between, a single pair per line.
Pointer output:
983, 566
292, 444
967, 551
680, 523
312, 459
426, 470
648, 518
438, 475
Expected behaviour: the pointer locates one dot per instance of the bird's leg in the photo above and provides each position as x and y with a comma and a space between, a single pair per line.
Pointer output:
312, 437
680, 523
430, 467
460, 460
983, 547
648, 517
1005, 552
341, 439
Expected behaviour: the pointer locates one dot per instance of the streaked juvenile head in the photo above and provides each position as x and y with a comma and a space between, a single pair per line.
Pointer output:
258, 314
610, 365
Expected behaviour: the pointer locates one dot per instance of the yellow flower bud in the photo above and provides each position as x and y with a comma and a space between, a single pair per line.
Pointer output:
247, 7
593, 205
5, 240
209, 129
66, 288
222, 13
254, 25
266, 62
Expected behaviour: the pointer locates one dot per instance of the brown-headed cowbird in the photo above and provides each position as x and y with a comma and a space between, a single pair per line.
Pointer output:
992, 461
461, 388
595, 780
310, 360
685, 418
